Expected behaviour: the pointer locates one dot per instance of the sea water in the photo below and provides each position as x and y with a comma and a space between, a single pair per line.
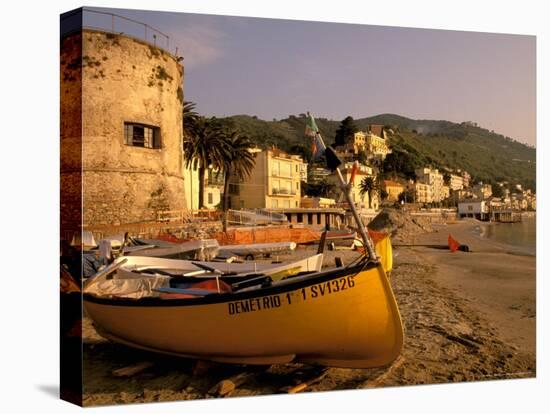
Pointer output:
522, 235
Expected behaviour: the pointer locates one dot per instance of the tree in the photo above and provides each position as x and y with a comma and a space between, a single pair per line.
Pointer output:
368, 186
362, 156
302, 151
204, 147
323, 188
345, 131
399, 163
497, 190
189, 116
238, 163
406, 196
447, 178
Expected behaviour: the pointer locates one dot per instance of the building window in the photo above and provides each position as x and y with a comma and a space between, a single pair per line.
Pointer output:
318, 218
139, 135
210, 198
300, 218
286, 169
309, 218
296, 204
274, 203
286, 203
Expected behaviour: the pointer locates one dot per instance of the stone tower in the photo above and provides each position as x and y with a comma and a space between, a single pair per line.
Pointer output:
121, 129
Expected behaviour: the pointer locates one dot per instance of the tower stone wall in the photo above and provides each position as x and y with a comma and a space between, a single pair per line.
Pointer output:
123, 81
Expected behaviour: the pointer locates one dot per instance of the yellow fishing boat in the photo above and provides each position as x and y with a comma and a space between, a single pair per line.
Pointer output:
344, 317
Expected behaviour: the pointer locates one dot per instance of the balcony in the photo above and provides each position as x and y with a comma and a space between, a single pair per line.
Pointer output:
283, 191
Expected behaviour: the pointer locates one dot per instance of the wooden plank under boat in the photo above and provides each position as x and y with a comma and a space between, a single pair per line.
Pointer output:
344, 317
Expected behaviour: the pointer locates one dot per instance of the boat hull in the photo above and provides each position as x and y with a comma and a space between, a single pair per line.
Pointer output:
344, 318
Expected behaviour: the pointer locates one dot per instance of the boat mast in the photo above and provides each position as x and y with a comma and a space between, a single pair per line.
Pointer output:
367, 242
333, 163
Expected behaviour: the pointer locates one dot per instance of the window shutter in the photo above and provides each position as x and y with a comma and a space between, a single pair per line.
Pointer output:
156, 138
129, 134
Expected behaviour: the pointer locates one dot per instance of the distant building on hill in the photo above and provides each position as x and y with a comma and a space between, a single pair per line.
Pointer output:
466, 178
456, 183
483, 191
372, 142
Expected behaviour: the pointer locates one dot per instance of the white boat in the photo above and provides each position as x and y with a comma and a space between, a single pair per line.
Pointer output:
136, 277
254, 250
196, 249
137, 266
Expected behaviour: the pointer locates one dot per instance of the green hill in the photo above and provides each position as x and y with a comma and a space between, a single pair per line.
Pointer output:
486, 155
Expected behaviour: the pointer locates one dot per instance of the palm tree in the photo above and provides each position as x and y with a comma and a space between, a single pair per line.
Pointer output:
368, 186
238, 163
203, 147
189, 116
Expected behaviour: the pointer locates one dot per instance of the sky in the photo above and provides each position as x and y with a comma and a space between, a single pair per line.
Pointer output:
274, 68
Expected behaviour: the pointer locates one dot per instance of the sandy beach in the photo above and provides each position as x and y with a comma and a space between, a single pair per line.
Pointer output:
467, 317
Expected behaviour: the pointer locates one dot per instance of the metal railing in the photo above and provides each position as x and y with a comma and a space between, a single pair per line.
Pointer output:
115, 26
256, 217
282, 191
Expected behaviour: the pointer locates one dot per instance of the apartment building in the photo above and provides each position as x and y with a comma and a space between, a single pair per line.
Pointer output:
434, 178
457, 182
273, 183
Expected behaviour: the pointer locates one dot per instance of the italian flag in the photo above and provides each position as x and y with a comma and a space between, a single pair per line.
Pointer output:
317, 144
311, 126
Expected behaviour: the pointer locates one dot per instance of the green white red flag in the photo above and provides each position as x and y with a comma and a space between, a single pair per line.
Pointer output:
317, 145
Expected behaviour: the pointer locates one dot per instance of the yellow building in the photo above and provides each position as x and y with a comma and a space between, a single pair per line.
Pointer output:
273, 183
375, 146
376, 143
434, 178
361, 200
457, 182
423, 193
393, 189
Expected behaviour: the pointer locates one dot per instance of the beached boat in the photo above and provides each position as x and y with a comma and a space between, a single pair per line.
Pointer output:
195, 249
254, 250
136, 267
345, 317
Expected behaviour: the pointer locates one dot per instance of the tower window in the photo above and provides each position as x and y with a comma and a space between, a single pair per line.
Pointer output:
139, 135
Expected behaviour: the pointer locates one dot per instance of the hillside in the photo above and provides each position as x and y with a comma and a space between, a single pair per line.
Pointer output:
488, 156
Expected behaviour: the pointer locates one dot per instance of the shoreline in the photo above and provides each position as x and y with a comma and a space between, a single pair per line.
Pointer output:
498, 279
509, 247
